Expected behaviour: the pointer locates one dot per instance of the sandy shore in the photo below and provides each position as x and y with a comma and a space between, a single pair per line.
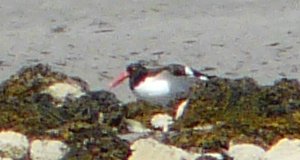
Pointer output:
96, 39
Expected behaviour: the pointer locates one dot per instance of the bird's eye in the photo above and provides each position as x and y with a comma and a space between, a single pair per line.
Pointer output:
131, 69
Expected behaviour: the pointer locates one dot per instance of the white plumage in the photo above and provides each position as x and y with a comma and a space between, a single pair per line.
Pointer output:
163, 88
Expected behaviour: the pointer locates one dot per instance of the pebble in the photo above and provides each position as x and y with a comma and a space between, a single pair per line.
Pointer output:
61, 90
136, 126
149, 149
162, 121
246, 152
48, 150
287, 149
13, 145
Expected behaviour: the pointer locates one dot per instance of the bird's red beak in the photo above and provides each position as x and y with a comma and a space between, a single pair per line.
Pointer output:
119, 79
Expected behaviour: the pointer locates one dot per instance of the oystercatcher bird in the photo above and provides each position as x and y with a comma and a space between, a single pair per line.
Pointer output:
161, 85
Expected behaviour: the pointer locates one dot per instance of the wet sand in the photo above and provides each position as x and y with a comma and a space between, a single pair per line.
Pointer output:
95, 40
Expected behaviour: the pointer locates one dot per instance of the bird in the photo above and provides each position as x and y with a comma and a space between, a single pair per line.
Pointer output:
161, 85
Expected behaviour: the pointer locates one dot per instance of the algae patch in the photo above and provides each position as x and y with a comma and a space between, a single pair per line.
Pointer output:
87, 122
239, 111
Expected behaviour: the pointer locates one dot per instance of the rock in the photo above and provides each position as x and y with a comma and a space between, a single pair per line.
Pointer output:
143, 112
206, 158
13, 145
48, 150
246, 152
36, 79
204, 128
136, 126
95, 142
131, 137
61, 91
88, 124
162, 121
239, 110
286, 149
149, 149
5, 158
100, 107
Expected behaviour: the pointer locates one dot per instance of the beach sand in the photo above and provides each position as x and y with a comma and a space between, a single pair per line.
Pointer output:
96, 39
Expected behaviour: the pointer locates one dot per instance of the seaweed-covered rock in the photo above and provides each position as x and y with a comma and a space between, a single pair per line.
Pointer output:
96, 143
100, 107
28, 117
86, 121
280, 99
241, 111
144, 112
35, 79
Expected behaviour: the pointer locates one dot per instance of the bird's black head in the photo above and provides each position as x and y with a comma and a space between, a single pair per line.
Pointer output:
137, 73
134, 68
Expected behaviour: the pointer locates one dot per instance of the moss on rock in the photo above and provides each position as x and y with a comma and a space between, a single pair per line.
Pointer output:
96, 143
88, 124
144, 112
28, 117
240, 111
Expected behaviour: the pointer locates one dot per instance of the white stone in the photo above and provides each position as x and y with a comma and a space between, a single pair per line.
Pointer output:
62, 90
5, 158
285, 149
131, 137
150, 149
204, 128
48, 150
136, 126
162, 121
246, 152
13, 145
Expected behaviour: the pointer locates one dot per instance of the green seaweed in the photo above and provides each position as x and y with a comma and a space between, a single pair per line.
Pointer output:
240, 111
88, 125
28, 118
34, 79
143, 112
96, 143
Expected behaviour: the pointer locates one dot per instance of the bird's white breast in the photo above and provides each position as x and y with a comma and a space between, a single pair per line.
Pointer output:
153, 87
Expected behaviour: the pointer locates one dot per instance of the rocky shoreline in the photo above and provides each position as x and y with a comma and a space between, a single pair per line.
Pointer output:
51, 112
